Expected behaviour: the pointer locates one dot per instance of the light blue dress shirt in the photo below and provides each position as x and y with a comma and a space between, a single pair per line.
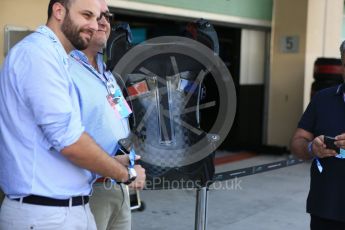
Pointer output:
39, 116
98, 117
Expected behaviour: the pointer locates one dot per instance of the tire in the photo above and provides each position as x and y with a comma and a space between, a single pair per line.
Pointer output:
326, 69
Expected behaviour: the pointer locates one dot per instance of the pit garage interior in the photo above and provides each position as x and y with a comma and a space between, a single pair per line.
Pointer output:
247, 132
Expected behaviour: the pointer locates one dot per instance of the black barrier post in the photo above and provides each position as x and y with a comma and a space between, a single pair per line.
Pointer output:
201, 208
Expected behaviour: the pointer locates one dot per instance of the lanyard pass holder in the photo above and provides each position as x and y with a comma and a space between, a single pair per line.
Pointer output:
111, 88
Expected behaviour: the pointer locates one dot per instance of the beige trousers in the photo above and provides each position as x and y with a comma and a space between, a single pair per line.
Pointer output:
15, 215
111, 206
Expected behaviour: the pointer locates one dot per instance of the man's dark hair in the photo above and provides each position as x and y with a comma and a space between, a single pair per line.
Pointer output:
65, 3
342, 50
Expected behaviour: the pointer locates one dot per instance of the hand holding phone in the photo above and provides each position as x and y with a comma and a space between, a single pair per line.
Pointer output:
329, 142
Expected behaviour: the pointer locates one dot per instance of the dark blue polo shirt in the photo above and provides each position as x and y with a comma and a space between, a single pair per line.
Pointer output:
325, 115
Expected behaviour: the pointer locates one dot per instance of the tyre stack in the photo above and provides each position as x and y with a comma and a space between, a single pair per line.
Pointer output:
327, 72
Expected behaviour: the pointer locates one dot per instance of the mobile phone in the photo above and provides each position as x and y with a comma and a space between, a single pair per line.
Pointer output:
329, 141
135, 200
125, 146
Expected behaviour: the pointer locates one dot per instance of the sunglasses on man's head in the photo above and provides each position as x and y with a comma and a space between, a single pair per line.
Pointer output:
107, 15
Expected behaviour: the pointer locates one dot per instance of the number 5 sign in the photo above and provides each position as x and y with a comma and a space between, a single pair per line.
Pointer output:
289, 44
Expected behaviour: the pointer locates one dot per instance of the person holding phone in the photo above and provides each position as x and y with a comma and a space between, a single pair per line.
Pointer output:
321, 136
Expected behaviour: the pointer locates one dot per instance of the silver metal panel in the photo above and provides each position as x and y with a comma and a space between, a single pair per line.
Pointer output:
14, 34
252, 57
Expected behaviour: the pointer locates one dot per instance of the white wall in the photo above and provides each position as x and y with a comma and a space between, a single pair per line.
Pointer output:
324, 28
252, 57
286, 71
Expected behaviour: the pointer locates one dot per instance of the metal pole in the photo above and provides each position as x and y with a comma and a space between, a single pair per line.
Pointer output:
201, 209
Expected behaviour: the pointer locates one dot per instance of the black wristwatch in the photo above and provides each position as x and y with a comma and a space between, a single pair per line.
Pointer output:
132, 175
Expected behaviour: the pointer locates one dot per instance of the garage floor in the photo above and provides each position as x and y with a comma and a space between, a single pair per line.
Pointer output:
273, 200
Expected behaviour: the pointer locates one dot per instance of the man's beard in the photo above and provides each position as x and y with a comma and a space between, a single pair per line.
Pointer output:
72, 33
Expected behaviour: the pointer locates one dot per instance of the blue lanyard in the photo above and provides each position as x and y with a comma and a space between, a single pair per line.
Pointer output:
132, 158
106, 81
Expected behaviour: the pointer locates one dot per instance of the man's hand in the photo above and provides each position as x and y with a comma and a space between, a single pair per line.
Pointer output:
139, 182
320, 149
340, 141
300, 142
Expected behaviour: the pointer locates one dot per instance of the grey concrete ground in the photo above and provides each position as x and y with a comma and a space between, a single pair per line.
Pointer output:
272, 200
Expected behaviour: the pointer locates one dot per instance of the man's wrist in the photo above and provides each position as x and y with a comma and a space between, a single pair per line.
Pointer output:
132, 175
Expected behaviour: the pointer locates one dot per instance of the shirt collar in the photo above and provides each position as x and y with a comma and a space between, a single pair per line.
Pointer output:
100, 62
46, 31
82, 57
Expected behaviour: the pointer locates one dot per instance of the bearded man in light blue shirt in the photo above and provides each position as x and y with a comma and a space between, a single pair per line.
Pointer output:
109, 201
46, 155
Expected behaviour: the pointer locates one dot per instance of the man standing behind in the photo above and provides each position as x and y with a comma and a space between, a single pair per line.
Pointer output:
324, 116
45, 154
109, 202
